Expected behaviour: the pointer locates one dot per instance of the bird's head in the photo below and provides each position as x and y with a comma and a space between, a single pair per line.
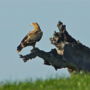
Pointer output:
35, 25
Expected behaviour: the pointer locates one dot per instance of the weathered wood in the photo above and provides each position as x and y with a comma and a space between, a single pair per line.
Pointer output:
50, 58
68, 52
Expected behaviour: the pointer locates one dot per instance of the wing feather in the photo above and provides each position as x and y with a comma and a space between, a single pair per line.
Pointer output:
32, 37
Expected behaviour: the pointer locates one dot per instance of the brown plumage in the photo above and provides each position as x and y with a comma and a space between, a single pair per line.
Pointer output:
31, 38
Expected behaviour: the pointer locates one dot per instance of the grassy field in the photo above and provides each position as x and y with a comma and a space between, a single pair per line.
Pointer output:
75, 82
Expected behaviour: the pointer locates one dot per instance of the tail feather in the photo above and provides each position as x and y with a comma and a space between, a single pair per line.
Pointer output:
19, 48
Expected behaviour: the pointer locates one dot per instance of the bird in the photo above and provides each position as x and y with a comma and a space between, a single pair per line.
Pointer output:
31, 38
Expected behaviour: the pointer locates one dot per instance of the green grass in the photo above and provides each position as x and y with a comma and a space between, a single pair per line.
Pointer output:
75, 82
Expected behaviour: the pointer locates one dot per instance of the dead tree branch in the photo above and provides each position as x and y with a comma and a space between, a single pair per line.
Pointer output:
68, 53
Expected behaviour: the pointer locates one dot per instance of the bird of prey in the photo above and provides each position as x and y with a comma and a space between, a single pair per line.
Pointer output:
31, 38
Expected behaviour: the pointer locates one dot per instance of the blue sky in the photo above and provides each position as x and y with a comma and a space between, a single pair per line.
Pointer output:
15, 15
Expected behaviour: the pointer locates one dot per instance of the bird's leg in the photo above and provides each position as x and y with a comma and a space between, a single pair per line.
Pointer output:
33, 46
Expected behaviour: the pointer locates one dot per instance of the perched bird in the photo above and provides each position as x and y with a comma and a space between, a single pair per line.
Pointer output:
31, 38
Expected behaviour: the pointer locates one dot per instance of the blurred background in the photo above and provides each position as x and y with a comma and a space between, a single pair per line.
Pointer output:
15, 15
